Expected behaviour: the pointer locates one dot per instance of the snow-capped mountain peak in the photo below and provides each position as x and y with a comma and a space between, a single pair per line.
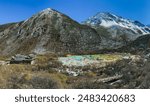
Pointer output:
107, 19
47, 11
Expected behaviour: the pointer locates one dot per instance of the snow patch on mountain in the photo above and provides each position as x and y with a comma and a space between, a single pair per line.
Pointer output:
109, 20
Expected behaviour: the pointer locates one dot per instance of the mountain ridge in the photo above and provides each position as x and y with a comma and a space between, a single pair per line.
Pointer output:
48, 31
140, 45
52, 31
107, 19
116, 31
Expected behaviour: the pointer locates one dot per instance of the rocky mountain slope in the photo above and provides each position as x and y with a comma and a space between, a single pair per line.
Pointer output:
117, 31
51, 35
48, 31
52, 31
141, 44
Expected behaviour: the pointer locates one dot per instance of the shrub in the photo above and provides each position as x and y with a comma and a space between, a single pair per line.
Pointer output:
90, 74
87, 84
45, 58
18, 81
22, 77
44, 82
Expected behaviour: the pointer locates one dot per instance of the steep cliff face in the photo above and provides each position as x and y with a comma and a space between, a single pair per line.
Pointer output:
48, 31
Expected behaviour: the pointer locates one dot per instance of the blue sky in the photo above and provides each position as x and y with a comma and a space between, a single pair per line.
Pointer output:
79, 10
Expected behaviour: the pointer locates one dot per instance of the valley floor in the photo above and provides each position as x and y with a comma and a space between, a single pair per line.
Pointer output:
98, 71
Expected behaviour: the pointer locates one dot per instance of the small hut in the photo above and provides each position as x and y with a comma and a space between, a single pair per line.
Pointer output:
21, 59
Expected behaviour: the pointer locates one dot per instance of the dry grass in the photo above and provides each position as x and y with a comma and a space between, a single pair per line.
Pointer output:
23, 77
110, 56
43, 75
39, 75
42, 59
3, 58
